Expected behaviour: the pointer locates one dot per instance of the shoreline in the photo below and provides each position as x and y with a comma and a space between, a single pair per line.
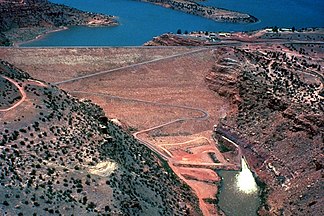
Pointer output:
39, 36
62, 28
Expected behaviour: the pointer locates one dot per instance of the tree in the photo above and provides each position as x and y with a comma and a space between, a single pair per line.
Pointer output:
186, 32
275, 29
293, 29
91, 205
179, 31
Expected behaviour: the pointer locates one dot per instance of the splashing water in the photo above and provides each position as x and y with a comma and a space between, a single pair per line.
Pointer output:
245, 181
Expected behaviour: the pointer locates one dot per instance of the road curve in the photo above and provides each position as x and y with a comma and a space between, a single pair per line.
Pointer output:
204, 115
21, 90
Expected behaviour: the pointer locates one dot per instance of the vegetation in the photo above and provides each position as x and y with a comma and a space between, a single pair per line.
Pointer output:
47, 152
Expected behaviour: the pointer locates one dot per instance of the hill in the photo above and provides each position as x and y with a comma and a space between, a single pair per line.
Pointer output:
62, 155
24, 20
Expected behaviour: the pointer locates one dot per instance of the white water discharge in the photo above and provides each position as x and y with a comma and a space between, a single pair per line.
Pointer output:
245, 181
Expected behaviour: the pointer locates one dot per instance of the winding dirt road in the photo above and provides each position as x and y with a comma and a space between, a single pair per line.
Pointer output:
178, 165
21, 90
204, 116
181, 160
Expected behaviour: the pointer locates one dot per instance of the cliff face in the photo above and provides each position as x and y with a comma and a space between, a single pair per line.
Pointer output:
41, 13
61, 155
277, 119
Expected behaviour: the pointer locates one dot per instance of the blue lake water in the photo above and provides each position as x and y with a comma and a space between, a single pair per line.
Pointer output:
140, 21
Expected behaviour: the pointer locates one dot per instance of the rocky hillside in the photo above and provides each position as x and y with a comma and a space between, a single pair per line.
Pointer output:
277, 119
60, 155
33, 14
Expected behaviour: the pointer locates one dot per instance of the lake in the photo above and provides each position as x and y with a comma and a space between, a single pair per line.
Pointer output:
140, 21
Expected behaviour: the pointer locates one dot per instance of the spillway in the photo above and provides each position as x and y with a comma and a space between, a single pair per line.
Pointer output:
245, 181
